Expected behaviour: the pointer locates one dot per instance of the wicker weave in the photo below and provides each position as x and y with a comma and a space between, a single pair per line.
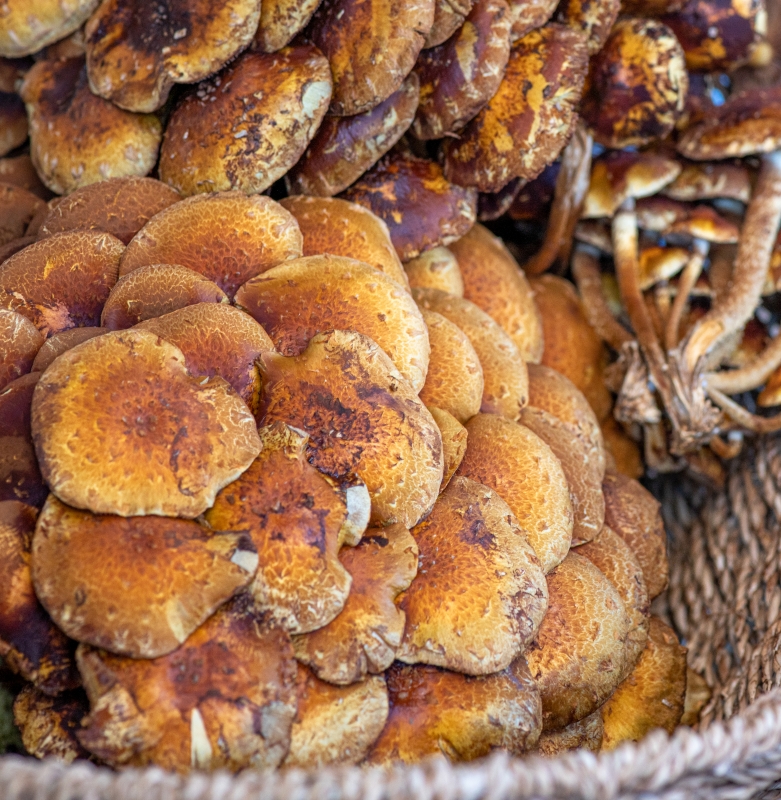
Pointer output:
724, 599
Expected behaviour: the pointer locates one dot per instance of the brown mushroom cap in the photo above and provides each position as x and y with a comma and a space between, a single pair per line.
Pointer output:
585, 734
281, 21
19, 344
436, 712
366, 635
669, 216
18, 208
480, 593
660, 264
13, 122
525, 473
228, 237
421, 208
653, 694
435, 269
622, 453
363, 418
135, 57
449, 16
595, 20
345, 147
25, 29
579, 656
454, 437
335, 724
19, 171
705, 181
61, 282
335, 226
121, 427
119, 206
492, 205
58, 343
527, 122
371, 46
698, 694
246, 127
307, 296
225, 698
528, 15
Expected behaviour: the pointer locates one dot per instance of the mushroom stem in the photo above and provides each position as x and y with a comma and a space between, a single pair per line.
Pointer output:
752, 375
691, 272
726, 449
744, 418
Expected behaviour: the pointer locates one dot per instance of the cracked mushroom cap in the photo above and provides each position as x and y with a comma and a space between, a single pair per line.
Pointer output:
246, 127
139, 586
20, 342
453, 442
61, 282
480, 594
227, 237
524, 472
579, 656
363, 418
281, 21
18, 208
434, 712
225, 698
77, 138
435, 269
58, 343
595, 20
301, 298
585, 734
525, 125
121, 427
707, 181
26, 28
365, 637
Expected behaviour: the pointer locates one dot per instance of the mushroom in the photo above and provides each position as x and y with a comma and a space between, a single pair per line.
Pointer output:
454, 436
121, 427
492, 205
666, 216
706, 181
25, 29
58, 343
449, 16
13, 119
480, 595
19, 344
698, 694
623, 454
365, 637
246, 127
595, 20
19, 208
281, 21
19, 171
362, 417
585, 734
436, 269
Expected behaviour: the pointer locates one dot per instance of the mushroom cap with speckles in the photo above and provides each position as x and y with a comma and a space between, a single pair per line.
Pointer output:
454, 437
27, 28
20, 342
435, 269
706, 181
281, 21
449, 16
595, 19
528, 15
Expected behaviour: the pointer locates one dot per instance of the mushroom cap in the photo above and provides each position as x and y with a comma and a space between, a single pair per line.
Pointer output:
121, 427
421, 208
30, 644
480, 595
454, 437
435, 269
622, 453
135, 57
371, 47
698, 694
281, 21
25, 29
363, 419
246, 127
668, 216
77, 138
462, 74
493, 281
505, 378
335, 724
585, 734
20, 342
139, 586
492, 205
13, 122
658, 263
579, 656
635, 515
119, 206
18, 208
58, 343
454, 381
524, 472
336, 226
449, 16
529, 15
527, 122
228, 237
653, 694
152, 291
707, 181
225, 698
436, 712
61, 282
310, 295
19, 171
595, 20
345, 147
365, 637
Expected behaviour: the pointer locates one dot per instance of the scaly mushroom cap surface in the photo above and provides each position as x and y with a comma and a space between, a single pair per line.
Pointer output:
461, 75
301, 298
493, 281
653, 694
20, 342
228, 237
421, 208
30, 644
136, 54
121, 427
528, 15
371, 45
13, 122
18, 208
335, 226
58, 343
436, 712
363, 418
579, 655
77, 138
454, 437
585, 734
524, 472
246, 127
281, 21
335, 724
61, 282
435, 269
505, 378
480, 593
139, 586
225, 698
449, 16
345, 147
527, 122
27, 28
595, 20
119, 206
365, 637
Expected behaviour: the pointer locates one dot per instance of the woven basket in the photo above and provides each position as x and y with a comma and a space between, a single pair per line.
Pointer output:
724, 599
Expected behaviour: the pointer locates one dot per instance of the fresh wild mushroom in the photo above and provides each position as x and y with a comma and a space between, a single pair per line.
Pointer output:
20, 342
585, 734
58, 343
454, 436
19, 209
25, 29
436, 269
